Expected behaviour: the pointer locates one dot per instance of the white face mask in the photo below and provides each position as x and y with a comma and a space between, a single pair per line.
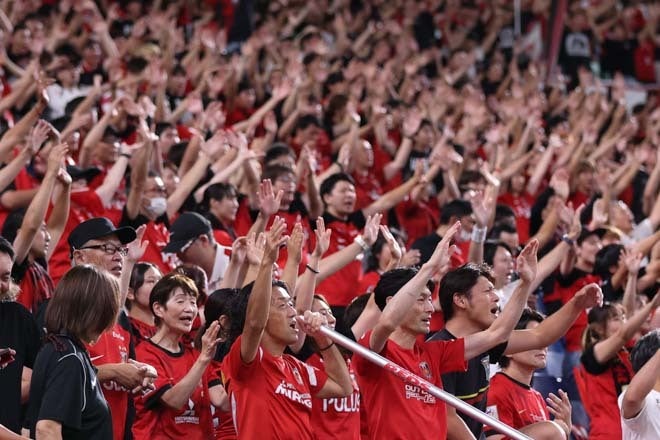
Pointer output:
157, 206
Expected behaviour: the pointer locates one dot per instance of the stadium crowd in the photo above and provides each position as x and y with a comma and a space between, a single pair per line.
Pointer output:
189, 190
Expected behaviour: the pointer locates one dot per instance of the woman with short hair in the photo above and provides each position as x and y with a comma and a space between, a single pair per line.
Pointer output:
66, 400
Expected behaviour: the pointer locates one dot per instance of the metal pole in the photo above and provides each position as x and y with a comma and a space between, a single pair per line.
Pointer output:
516, 18
427, 386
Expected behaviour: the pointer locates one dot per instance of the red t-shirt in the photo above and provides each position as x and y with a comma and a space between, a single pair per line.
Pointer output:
418, 219
154, 419
566, 288
141, 330
223, 424
368, 189
271, 397
514, 403
368, 282
85, 204
340, 287
398, 410
600, 386
336, 417
522, 207
112, 348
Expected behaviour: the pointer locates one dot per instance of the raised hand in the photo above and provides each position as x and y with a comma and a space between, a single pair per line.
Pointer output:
270, 123
210, 341
370, 232
322, 238
439, 260
38, 135
56, 158
560, 407
559, 183
632, 260
295, 243
599, 214
411, 258
527, 262
589, 296
255, 248
275, 238
269, 203
63, 177
395, 249
137, 247
311, 323
412, 122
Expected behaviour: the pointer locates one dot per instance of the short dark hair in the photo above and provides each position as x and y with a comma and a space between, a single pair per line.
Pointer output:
275, 171
607, 257
329, 183
166, 286
499, 228
217, 304
85, 303
503, 212
355, 309
490, 249
7, 248
13, 223
392, 281
456, 208
278, 150
137, 276
645, 348
218, 191
459, 282
528, 315
305, 121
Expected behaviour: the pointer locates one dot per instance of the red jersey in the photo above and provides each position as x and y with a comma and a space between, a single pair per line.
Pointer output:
112, 348
271, 397
85, 205
396, 410
368, 282
291, 218
514, 403
418, 219
141, 330
368, 189
336, 417
223, 424
340, 287
158, 236
522, 207
566, 287
154, 419
600, 386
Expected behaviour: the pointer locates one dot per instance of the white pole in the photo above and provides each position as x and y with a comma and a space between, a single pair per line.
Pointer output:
427, 386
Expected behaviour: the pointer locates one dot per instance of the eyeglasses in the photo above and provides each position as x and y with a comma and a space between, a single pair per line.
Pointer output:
109, 249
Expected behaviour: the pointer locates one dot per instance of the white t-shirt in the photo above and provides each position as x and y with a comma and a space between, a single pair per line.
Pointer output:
646, 424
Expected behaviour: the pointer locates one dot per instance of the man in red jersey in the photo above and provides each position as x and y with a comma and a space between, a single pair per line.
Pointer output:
512, 400
390, 403
271, 392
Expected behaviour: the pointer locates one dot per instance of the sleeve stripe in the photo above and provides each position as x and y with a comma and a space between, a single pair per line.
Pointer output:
312, 375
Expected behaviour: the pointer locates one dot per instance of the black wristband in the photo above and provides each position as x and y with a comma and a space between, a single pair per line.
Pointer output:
341, 167
126, 155
329, 346
312, 269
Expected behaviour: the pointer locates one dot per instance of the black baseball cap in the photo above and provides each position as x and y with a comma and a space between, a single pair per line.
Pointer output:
600, 232
77, 173
185, 229
99, 227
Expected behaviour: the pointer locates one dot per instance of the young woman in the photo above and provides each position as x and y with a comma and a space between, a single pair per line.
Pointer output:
66, 400
143, 278
605, 366
180, 405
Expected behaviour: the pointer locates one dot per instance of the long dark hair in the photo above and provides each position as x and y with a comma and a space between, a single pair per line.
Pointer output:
218, 304
597, 319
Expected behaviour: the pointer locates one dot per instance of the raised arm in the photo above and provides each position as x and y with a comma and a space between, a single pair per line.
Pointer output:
396, 309
640, 386
391, 198
36, 211
608, 348
139, 175
501, 329
259, 302
556, 325
60, 213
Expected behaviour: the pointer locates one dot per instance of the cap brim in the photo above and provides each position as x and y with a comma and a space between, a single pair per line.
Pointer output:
174, 246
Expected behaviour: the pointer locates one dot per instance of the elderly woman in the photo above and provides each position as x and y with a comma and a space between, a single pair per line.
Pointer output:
180, 405
66, 400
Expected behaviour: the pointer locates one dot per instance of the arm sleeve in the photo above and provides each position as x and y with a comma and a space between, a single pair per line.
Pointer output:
64, 394
449, 354
162, 383
499, 409
235, 368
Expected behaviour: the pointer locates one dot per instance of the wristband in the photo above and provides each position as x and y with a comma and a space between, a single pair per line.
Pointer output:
566, 239
314, 271
363, 244
126, 155
341, 167
329, 346
479, 234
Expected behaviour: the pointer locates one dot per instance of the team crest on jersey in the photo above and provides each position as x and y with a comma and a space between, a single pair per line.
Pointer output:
297, 375
426, 370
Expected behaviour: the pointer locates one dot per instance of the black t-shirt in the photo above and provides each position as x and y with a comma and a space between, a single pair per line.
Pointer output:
575, 51
472, 385
65, 389
426, 246
618, 56
18, 331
